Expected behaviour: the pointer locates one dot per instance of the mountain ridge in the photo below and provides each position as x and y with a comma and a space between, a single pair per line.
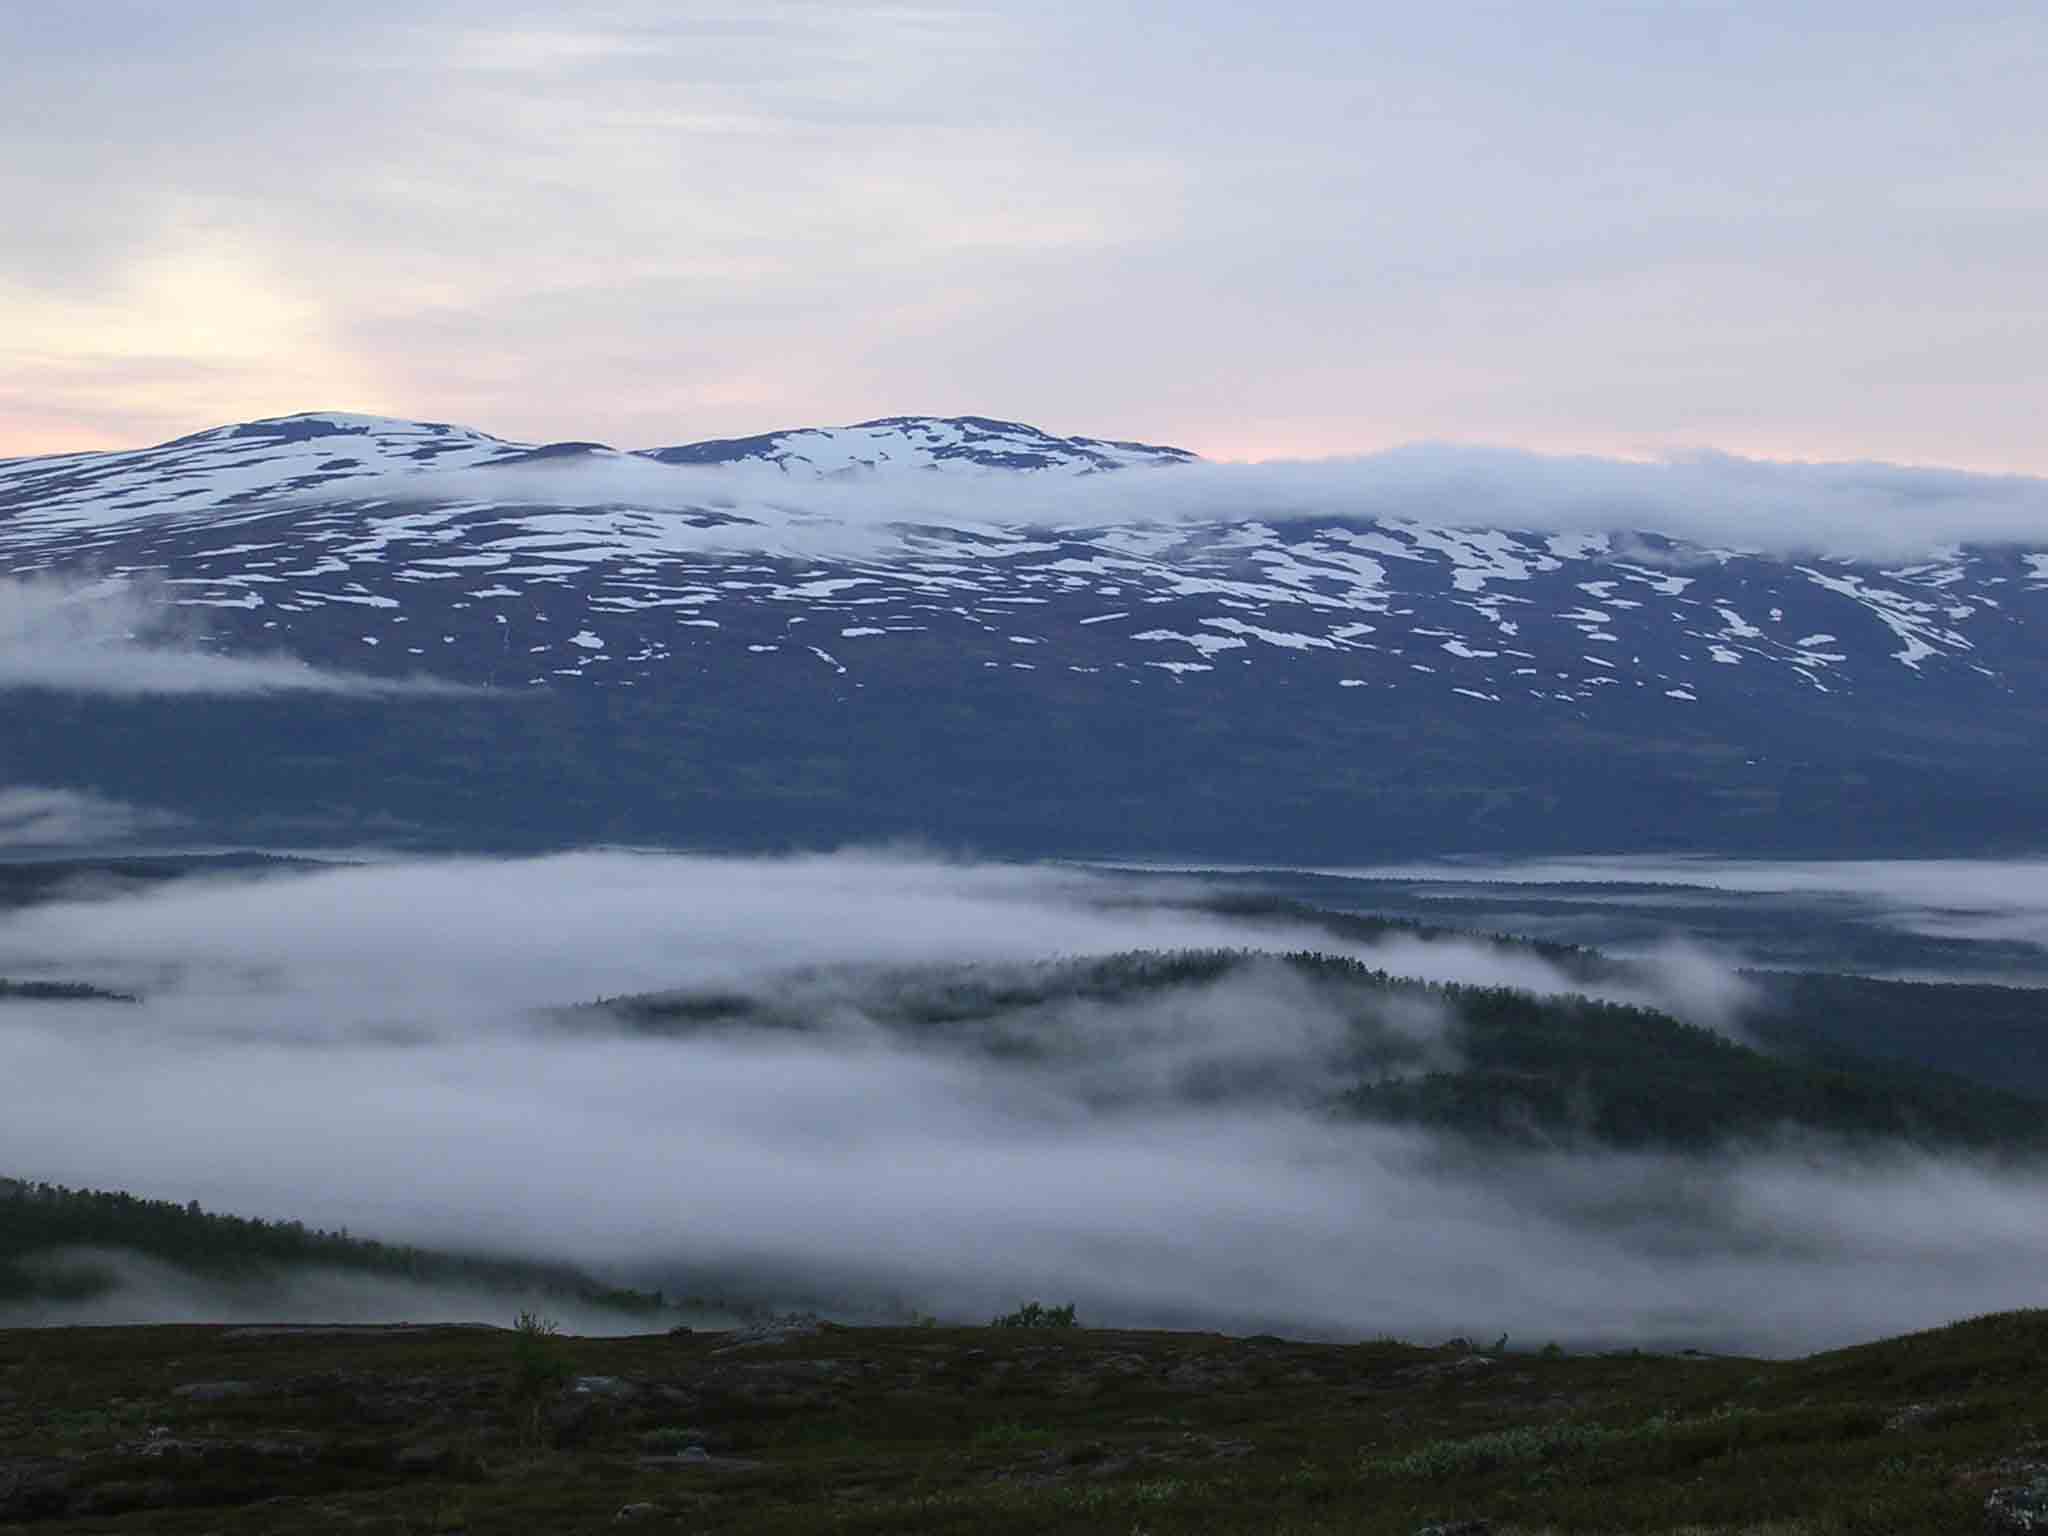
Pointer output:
865, 632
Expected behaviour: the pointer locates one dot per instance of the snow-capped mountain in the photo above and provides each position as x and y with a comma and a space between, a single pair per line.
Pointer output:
965, 628
959, 444
262, 462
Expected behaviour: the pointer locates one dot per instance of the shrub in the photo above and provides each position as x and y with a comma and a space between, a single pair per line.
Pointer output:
539, 1369
1036, 1315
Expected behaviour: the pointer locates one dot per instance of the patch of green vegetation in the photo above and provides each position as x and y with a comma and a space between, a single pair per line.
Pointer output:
979, 1432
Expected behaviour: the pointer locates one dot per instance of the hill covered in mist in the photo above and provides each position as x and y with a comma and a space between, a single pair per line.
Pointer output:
1176, 1101
1490, 1064
62, 1251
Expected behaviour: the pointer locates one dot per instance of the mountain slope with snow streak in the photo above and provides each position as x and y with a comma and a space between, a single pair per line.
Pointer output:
837, 634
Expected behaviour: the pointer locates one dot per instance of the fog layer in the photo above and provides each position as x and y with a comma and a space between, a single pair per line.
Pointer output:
1994, 899
1853, 510
127, 640
379, 1047
32, 816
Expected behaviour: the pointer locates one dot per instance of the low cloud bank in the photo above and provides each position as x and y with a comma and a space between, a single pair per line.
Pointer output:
123, 640
36, 817
143, 1290
1852, 510
373, 1047
1985, 899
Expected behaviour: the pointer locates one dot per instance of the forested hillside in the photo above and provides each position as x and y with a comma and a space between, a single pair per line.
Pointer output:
1521, 1068
38, 1218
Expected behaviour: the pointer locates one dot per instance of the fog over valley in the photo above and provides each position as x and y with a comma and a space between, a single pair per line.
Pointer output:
804, 1111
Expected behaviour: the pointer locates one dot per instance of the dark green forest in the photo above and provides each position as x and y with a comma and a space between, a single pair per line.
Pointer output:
1560, 1070
1532, 1070
59, 992
1372, 928
1990, 1034
26, 883
37, 1217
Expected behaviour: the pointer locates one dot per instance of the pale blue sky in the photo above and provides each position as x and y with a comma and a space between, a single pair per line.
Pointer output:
1810, 230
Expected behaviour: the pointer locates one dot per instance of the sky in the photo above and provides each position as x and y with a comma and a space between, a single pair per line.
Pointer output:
1808, 229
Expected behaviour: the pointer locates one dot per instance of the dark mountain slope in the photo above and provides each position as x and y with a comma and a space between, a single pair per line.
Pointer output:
923, 626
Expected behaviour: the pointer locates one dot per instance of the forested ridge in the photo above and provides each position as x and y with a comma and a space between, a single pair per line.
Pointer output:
59, 992
37, 1217
1539, 1069
1530, 1068
1996, 1035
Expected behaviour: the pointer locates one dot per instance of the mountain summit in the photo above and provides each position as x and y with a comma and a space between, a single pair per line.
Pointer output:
320, 450
969, 443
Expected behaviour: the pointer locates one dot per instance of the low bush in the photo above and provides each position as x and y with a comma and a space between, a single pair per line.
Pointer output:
1036, 1315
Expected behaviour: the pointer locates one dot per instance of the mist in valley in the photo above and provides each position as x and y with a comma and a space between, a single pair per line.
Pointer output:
402, 1048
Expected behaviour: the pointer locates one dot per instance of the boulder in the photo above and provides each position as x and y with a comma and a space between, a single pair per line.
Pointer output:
2020, 1510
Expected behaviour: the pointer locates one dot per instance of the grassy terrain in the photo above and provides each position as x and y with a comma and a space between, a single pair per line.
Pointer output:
986, 1431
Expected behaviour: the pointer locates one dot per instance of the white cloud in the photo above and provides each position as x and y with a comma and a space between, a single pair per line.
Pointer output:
120, 639
146, 1291
360, 1046
32, 817
1873, 511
